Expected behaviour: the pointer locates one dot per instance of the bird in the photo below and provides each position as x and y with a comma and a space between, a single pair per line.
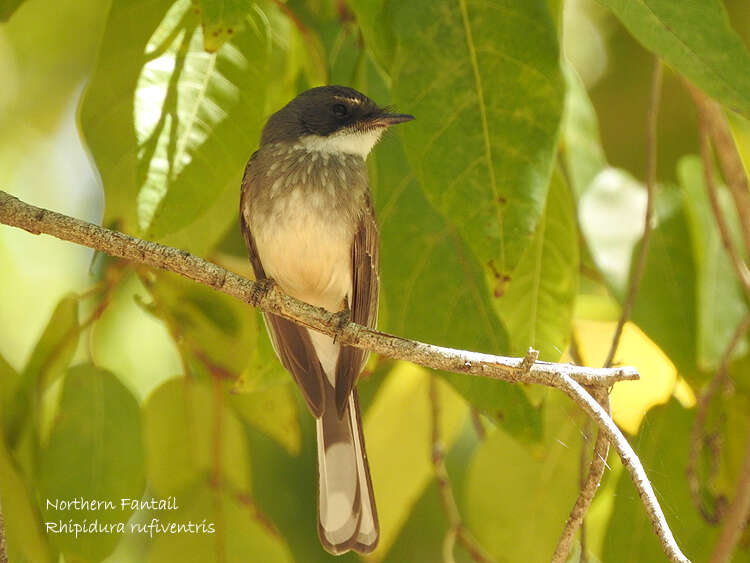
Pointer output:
308, 220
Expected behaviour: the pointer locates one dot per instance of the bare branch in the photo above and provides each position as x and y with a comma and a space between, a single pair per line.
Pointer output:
588, 487
269, 298
640, 262
601, 447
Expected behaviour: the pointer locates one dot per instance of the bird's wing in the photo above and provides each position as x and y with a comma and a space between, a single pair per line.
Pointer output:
364, 302
290, 341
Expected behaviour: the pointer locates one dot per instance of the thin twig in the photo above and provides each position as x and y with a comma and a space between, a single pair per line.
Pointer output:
713, 121
601, 447
733, 524
739, 265
456, 531
737, 515
640, 263
3, 544
268, 298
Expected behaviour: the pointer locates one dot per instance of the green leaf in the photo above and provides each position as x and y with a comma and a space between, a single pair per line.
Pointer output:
221, 19
190, 435
8, 8
94, 452
108, 107
184, 122
505, 480
274, 411
665, 305
582, 148
239, 533
9, 379
538, 306
720, 304
397, 442
484, 82
48, 361
696, 39
217, 329
662, 445
25, 540
433, 288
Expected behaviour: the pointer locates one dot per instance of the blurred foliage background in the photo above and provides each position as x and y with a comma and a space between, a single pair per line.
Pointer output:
509, 214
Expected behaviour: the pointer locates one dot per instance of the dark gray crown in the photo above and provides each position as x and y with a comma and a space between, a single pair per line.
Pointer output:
320, 111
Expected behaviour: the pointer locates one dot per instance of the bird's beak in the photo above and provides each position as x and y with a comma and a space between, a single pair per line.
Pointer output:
388, 119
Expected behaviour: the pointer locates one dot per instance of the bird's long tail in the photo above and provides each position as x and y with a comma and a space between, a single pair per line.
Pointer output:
347, 518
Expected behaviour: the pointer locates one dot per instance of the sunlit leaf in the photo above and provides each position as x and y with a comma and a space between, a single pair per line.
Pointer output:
184, 122
398, 442
94, 452
190, 434
8, 8
541, 485
538, 305
272, 410
228, 528
720, 304
695, 38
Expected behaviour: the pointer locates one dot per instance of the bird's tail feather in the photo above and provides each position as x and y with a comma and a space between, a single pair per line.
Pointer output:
347, 518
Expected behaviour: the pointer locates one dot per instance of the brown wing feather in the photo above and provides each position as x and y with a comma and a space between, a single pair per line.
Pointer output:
291, 342
364, 305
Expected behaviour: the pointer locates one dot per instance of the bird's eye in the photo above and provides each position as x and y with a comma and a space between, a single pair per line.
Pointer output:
340, 110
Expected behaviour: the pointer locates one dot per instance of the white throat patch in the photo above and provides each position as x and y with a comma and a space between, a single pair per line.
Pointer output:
343, 142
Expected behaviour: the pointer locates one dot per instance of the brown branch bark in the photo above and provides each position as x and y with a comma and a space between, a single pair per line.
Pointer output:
715, 123
269, 298
601, 447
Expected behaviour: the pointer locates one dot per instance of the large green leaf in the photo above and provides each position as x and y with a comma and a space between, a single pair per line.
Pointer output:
505, 480
191, 435
433, 288
697, 39
95, 453
228, 529
720, 305
662, 446
538, 305
484, 82
171, 126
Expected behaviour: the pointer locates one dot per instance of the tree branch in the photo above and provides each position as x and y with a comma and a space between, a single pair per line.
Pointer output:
269, 298
601, 447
